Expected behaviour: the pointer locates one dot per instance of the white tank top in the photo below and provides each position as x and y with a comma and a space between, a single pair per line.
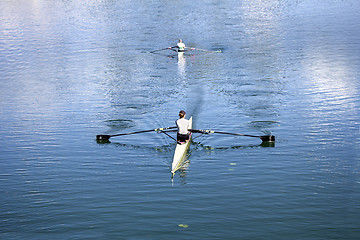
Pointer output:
182, 125
181, 46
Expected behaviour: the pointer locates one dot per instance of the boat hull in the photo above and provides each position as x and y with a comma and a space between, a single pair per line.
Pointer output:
180, 153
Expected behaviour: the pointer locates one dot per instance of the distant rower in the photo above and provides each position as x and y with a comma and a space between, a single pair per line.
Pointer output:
181, 46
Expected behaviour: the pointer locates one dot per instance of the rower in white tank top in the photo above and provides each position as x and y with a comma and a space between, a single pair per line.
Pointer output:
181, 46
182, 124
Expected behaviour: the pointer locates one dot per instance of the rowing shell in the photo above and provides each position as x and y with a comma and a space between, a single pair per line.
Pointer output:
180, 152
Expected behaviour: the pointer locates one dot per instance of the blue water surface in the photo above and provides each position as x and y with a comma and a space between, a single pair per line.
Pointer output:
71, 70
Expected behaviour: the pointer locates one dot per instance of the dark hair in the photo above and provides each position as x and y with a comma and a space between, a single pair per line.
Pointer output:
182, 113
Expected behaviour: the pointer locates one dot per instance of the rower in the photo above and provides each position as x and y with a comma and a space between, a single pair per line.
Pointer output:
183, 135
181, 46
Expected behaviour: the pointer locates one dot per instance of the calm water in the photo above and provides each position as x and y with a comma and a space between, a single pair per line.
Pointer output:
73, 69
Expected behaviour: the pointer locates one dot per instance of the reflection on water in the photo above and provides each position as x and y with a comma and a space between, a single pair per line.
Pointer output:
331, 81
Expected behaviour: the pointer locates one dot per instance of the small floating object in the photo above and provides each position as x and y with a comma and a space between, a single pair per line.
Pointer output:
233, 164
183, 225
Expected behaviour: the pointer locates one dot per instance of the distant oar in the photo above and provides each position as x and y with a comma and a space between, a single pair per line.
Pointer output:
160, 49
265, 138
107, 137
204, 50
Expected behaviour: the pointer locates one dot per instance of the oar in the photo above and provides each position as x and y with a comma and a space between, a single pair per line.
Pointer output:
160, 49
204, 50
107, 137
265, 138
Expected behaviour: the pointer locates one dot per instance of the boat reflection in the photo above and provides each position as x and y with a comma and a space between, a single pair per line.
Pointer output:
181, 63
182, 172
267, 144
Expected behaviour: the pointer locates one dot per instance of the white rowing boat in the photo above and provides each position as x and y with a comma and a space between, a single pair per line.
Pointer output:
180, 153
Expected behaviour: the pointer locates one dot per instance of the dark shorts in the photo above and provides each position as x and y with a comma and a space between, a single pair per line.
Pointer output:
183, 137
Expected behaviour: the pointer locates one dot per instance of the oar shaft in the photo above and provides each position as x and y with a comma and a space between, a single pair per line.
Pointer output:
122, 134
235, 134
160, 49
210, 131
204, 50
266, 138
107, 137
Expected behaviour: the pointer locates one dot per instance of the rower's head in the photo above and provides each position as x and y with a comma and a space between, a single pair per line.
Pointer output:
182, 114
180, 40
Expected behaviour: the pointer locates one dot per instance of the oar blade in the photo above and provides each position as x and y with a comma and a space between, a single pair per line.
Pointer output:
103, 137
268, 138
